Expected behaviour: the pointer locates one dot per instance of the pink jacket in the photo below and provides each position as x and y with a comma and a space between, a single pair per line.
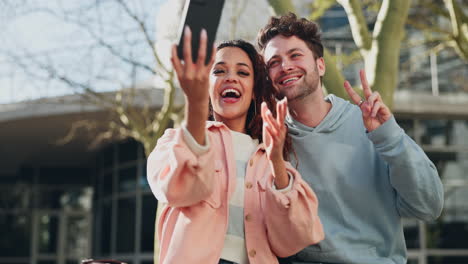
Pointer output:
193, 226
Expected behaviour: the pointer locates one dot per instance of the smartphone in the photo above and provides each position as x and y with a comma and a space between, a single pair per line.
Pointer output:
198, 14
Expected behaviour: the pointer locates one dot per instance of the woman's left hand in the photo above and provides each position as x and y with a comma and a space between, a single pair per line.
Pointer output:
274, 134
274, 130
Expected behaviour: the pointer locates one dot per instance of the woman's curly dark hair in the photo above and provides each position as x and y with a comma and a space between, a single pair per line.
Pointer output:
290, 25
263, 91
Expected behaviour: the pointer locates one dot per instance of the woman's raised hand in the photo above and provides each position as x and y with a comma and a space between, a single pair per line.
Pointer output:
274, 134
194, 80
274, 130
193, 76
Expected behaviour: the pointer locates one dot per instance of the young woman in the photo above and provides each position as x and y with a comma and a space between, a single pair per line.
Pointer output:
231, 197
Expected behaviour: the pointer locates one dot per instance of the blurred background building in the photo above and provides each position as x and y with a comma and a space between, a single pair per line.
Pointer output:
65, 196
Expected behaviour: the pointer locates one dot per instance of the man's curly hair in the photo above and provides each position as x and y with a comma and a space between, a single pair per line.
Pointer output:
290, 25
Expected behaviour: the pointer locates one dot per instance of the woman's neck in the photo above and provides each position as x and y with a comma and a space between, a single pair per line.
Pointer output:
236, 124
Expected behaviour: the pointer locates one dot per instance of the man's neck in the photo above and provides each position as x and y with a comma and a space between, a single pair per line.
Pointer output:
311, 110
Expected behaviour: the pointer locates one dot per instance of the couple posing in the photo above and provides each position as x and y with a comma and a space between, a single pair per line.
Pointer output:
231, 194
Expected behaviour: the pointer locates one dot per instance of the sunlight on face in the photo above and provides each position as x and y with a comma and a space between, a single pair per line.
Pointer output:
231, 85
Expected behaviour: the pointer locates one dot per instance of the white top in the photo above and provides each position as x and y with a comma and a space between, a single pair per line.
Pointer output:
243, 146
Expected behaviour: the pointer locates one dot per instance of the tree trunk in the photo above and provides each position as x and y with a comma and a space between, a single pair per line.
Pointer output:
382, 62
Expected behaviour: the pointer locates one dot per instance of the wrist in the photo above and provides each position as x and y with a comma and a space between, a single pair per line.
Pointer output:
196, 110
196, 115
276, 157
280, 174
198, 101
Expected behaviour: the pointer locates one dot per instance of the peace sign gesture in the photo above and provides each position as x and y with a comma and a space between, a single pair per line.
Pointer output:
374, 111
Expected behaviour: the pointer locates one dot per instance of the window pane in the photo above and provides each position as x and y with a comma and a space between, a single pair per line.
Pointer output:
77, 236
451, 229
73, 198
444, 132
50, 198
65, 176
408, 126
128, 151
447, 260
411, 229
48, 233
16, 196
107, 184
455, 206
15, 230
446, 164
108, 156
127, 179
77, 199
143, 179
46, 262
126, 225
147, 225
106, 223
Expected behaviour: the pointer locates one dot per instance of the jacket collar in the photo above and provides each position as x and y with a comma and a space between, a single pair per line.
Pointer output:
221, 125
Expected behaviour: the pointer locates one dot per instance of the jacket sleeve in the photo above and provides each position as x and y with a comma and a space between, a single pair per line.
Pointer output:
176, 175
420, 193
291, 217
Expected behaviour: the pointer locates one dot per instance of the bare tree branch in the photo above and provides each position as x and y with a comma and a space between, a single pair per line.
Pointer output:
459, 25
358, 24
145, 33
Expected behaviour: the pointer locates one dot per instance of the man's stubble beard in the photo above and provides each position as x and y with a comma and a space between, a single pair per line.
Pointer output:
309, 85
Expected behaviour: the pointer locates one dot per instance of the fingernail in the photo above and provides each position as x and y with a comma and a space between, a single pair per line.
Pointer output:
186, 30
203, 33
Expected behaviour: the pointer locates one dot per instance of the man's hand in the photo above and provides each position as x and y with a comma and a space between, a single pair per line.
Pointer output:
374, 111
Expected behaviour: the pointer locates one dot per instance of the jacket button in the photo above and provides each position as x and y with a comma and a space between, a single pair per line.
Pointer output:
252, 253
248, 185
248, 217
251, 162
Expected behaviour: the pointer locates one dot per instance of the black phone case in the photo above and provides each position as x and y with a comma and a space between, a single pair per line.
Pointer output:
198, 14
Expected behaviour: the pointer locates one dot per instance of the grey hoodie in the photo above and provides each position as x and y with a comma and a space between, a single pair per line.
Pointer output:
365, 183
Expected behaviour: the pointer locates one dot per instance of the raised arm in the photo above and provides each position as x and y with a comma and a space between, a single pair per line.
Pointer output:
290, 205
194, 81
417, 183
180, 169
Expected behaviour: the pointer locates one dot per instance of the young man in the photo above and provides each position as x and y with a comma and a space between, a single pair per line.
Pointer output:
366, 172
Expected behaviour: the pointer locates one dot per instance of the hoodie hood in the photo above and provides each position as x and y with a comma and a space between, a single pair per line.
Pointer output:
339, 112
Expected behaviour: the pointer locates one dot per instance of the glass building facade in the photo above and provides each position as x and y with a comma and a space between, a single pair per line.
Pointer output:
64, 215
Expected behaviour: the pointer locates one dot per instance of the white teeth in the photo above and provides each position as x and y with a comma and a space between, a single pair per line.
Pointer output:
290, 80
225, 92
